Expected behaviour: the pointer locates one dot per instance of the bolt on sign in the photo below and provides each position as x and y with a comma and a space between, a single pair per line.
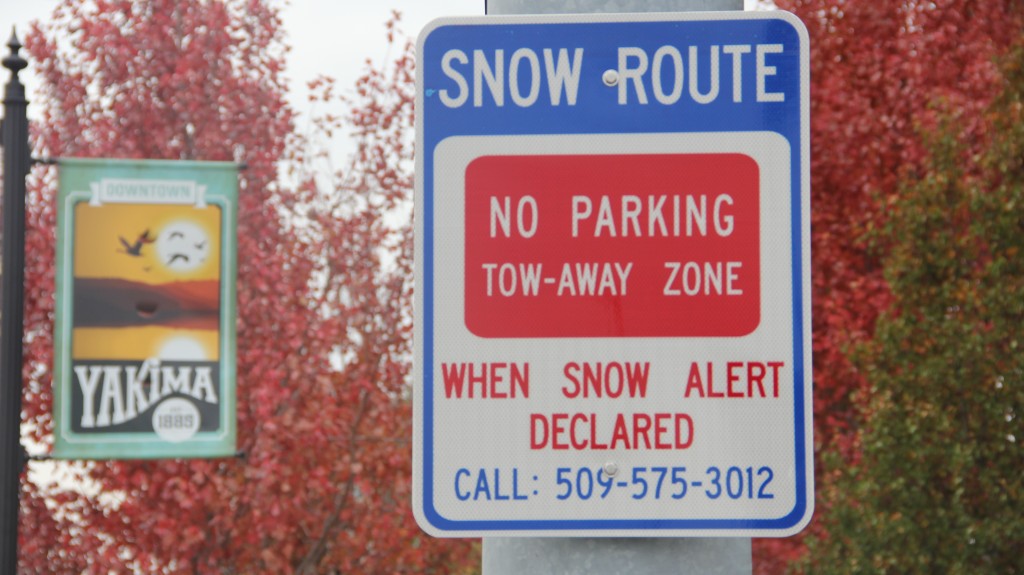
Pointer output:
612, 267
145, 319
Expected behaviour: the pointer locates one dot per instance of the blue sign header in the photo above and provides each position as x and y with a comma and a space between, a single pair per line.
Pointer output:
679, 76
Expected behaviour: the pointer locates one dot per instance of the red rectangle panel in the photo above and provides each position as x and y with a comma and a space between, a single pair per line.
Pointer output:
630, 245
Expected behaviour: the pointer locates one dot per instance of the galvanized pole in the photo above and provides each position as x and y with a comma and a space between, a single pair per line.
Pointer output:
514, 556
16, 166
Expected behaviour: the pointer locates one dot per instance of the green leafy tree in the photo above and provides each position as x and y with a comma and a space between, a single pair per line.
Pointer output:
939, 486
875, 67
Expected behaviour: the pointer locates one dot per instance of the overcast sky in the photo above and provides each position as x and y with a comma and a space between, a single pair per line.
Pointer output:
328, 37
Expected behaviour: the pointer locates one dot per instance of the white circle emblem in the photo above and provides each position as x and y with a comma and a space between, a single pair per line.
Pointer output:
176, 419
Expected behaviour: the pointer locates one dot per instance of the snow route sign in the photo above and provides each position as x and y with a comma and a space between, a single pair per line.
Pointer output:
612, 313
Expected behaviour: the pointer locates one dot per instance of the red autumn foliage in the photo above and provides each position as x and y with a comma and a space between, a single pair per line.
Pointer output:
324, 286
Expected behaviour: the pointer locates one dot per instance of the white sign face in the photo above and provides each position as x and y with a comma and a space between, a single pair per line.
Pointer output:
613, 304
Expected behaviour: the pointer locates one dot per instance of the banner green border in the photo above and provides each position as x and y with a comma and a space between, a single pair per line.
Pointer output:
221, 184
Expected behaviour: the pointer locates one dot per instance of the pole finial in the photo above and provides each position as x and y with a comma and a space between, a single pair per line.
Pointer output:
13, 61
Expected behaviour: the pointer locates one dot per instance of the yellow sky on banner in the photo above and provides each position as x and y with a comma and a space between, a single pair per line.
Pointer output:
135, 343
182, 244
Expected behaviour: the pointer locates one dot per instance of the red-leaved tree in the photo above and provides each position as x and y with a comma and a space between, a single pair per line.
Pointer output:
324, 286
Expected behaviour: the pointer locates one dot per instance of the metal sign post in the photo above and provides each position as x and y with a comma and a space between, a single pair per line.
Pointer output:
16, 167
515, 555
613, 315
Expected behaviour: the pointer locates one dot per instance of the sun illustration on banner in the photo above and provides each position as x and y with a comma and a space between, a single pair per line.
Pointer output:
182, 246
182, 348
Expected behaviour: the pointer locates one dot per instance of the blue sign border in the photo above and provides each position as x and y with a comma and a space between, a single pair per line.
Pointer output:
600, 113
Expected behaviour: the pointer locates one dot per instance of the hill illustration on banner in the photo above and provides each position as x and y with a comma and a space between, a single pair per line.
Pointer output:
112, 302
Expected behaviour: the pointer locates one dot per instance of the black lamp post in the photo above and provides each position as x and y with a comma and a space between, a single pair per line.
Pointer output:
15, 167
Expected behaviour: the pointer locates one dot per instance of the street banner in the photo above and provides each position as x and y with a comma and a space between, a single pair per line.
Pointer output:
144, 362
